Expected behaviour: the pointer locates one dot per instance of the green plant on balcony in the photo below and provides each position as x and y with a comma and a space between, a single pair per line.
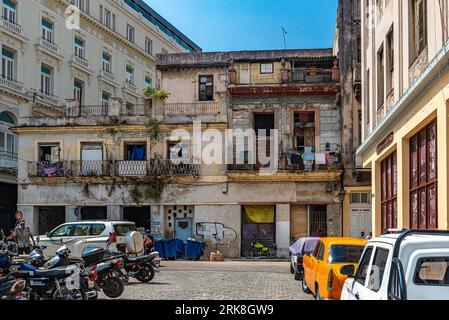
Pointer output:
153, 93
154, 124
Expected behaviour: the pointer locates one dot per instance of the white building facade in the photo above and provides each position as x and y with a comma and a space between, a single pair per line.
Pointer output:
56, 50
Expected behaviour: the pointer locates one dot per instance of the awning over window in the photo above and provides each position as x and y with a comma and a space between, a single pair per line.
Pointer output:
259, 214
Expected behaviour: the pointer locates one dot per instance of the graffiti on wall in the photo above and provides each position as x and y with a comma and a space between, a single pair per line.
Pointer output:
216, 232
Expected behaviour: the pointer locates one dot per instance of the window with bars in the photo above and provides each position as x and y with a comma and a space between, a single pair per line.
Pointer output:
423, 179
389, 198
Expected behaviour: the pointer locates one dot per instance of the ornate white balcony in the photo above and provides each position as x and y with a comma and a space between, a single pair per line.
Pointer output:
53, 47
11, 84
12, 27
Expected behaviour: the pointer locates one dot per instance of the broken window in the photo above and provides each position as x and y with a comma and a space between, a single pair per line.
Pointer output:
177, 150
206, 88
49, 152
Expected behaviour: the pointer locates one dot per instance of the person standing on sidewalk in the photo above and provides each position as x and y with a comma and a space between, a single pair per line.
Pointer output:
23, 237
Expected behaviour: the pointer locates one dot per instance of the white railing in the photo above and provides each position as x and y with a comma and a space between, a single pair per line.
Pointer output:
108, 75
81, 61
11, 26
199, 108
130, 86
8, 160
131, 168
49, 45
48, 98
11, 84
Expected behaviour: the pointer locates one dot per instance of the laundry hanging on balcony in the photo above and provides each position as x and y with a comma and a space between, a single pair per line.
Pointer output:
45, 169
259, 214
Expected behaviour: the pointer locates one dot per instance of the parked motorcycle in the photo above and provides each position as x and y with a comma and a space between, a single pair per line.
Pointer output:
141, 267
59, 284
96, 273
257, 249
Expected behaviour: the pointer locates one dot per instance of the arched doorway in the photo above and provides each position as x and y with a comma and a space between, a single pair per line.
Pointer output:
8, 169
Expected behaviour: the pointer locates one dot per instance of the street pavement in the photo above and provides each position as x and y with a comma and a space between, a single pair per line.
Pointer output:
230, 280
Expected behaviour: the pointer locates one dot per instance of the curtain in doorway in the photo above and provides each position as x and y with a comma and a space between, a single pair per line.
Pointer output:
259, 214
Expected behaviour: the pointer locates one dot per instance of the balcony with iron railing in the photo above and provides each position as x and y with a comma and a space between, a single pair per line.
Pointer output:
311, 75
119, 168
12, 26
287, 164
11, 84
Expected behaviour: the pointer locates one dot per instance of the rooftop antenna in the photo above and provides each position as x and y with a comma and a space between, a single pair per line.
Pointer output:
284, 33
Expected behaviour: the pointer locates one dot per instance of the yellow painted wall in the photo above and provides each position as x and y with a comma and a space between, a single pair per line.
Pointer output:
433, 105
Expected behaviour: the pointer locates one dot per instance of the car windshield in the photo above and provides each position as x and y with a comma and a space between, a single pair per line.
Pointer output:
345, 253
122, 229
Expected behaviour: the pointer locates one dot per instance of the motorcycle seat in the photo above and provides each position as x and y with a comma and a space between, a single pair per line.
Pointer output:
59, 273
137, 259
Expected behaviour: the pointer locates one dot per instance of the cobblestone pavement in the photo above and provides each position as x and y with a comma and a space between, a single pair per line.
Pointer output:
233, 280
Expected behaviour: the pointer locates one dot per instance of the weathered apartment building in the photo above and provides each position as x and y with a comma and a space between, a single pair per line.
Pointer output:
114, 161
405, 112
111, 54
356, 179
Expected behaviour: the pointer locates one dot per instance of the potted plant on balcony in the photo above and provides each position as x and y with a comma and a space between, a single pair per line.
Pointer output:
153, 93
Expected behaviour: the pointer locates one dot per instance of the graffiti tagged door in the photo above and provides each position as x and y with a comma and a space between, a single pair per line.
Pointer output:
183, 228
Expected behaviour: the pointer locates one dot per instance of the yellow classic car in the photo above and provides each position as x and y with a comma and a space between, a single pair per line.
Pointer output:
322, 275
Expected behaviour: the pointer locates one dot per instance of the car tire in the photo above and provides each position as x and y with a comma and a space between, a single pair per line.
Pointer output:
304, 287
317, 294
298, 276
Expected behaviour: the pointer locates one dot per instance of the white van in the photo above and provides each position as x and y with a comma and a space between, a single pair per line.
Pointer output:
401, 265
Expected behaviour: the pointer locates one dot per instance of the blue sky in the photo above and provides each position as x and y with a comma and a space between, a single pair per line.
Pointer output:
223, 25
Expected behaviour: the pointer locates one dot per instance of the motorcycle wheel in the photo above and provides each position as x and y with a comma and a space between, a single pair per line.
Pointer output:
113, 287
146, 273
272, 254
250, 254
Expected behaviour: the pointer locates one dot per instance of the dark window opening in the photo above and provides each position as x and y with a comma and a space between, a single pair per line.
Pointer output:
135, 151
206, 88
